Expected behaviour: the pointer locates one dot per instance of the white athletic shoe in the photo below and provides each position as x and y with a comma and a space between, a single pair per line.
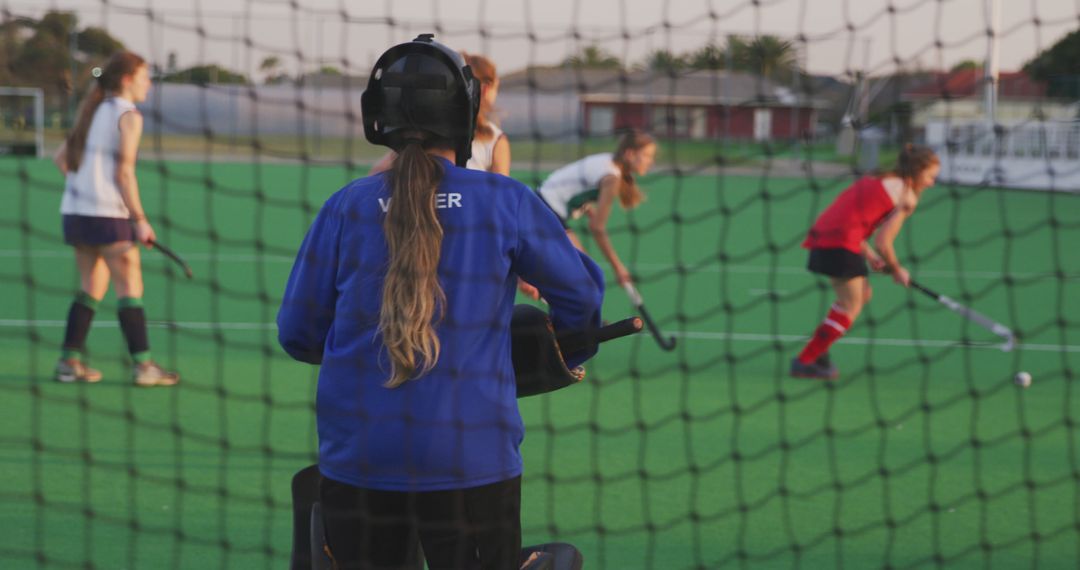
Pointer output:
73, 370
150, 374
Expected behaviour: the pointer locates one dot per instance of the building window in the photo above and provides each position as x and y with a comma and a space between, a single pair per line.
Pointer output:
762, 124
601, 120
699, 123
671, 121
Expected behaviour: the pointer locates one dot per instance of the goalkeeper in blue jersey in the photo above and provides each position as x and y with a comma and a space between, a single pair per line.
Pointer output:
403, 290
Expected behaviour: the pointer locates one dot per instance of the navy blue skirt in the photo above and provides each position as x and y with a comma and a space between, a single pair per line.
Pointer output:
92, 230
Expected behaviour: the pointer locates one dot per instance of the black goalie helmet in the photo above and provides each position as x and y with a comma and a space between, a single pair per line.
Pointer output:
421, 85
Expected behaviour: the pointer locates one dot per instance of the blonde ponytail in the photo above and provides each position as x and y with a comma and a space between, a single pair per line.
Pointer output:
413, 300
630, 194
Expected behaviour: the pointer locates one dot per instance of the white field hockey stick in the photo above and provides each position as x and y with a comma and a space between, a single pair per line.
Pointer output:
1002, 331
667, 343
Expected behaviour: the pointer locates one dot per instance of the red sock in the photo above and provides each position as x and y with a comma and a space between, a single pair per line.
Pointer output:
833, 327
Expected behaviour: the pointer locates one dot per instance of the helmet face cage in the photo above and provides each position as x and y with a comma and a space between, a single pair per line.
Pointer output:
422, 86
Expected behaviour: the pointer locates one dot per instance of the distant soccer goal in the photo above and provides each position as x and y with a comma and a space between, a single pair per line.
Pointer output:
22, 121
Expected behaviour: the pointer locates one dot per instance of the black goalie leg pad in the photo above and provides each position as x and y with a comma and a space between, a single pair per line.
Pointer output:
305, 494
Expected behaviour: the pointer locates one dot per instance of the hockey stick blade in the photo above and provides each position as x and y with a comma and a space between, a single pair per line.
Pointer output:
173, 256
1002, 331
666, 343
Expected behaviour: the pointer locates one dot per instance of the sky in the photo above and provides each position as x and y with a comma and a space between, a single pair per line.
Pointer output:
840, 36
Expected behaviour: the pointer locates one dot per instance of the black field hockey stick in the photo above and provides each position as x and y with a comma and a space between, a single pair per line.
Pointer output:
172, 255
666, 343
1002, 331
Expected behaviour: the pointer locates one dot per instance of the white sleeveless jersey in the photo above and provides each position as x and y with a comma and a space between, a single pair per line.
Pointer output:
578, 183
92, 189
483, 152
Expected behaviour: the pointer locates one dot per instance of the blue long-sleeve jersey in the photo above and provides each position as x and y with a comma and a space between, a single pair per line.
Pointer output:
457, 426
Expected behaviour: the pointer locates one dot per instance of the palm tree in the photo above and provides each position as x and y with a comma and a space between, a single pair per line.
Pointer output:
767, 56
593, 57
665, 61
709, 56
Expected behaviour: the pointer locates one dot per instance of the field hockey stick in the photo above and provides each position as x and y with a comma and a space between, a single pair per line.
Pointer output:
983, 321
172, 255
639, 303
573, 341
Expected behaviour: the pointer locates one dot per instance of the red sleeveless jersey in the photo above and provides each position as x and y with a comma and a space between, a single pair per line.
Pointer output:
852, 217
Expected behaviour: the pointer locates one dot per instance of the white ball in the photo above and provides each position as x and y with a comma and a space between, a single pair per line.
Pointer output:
1022, 379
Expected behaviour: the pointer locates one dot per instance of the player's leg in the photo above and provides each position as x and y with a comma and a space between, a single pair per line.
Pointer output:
93, 283
125, 267
495, 517
366, 528
574, 239
472, 528
851, 294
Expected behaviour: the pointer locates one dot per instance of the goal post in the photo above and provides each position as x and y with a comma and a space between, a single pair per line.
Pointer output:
22, 121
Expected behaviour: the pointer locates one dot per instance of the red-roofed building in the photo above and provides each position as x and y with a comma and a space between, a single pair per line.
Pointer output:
966, 83
690, 104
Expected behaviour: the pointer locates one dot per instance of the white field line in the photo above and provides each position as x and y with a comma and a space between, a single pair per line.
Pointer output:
192, 325
762, 292
241, 257
689, 335
665, 268
893, 342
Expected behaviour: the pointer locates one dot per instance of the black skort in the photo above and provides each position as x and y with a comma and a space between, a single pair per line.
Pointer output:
837, 262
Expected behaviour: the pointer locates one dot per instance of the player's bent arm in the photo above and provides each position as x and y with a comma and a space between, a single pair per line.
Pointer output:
886, 235
131, 124
500, 159
307, 307
59, 158
384, 164
598, 218
571, 283
872, 257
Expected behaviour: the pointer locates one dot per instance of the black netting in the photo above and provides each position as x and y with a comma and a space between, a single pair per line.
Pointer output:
924, 452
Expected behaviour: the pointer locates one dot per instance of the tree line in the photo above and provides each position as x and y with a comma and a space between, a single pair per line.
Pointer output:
55, 53
767, 56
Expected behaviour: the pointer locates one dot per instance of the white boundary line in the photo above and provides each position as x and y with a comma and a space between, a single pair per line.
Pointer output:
690, 335
224, 256
242, 257
892, 342
193, 325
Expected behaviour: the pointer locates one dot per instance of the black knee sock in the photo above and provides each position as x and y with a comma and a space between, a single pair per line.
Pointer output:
133, 323
80, 315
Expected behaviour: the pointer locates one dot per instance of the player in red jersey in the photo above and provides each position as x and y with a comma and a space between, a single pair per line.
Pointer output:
839, 248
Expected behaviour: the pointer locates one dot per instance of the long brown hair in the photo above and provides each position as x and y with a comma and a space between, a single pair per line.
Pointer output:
122, 64
484, 70
630, 195
412, 299
912, 161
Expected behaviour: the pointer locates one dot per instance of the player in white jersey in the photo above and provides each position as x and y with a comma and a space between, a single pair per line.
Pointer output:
490, 147
591, 185
103, 217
